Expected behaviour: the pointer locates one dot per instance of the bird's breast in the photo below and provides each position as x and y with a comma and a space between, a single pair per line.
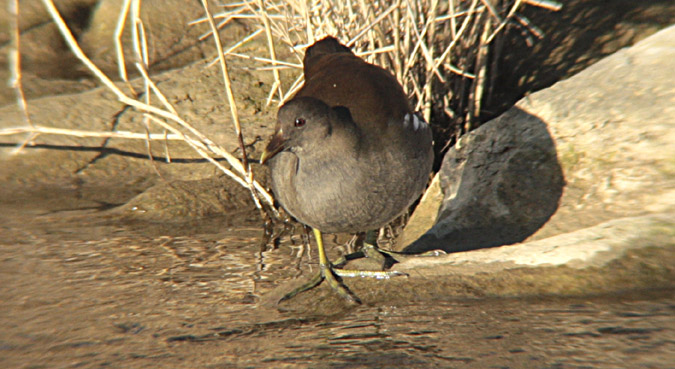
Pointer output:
347, 193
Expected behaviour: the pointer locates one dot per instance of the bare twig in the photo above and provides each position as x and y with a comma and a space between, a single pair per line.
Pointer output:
86, 134
546, 4
403, 35
273, 54
248, 174
15, 70
476, 96
201, 149
119, 49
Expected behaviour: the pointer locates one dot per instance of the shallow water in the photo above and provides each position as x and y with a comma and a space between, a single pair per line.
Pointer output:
79, 288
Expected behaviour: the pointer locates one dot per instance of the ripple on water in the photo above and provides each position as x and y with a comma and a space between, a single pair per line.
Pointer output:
84, 290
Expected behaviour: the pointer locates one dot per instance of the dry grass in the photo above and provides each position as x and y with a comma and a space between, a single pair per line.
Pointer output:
439, 50
164, 116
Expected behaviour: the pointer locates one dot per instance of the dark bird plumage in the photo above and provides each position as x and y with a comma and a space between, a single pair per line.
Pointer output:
348, 153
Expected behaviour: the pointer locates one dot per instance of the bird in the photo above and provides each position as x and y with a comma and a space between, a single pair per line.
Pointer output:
348, 154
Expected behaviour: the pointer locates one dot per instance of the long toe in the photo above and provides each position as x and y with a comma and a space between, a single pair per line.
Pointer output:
315, 281
332, 276
386, 274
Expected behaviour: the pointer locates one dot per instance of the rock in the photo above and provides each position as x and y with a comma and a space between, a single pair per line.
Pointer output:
589, 247
500, 183
49, 67
614, 128
195, 90
172, 41
425, 213
625, 254
197, 94
608, 130
186, 200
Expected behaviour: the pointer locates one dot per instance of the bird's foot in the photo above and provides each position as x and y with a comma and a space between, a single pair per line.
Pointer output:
386, 259
315, 281
401, 256
331, 275
334, 277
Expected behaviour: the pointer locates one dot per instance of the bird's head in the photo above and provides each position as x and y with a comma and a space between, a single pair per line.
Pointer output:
304, 123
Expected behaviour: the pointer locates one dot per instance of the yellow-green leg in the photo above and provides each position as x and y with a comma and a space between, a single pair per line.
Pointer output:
332, 275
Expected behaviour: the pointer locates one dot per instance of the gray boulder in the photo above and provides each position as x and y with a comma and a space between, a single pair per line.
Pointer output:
596, 147
500, 184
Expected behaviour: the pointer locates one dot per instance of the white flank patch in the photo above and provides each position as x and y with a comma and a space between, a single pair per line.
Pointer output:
417, 122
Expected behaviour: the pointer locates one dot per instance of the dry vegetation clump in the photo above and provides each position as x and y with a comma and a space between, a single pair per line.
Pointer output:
443, 52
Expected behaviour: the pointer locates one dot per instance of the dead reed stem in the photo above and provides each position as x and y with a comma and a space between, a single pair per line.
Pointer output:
119, 49
15, 81
87, 134
248, 174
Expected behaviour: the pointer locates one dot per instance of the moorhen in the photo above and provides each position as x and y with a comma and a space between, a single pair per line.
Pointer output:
348, 153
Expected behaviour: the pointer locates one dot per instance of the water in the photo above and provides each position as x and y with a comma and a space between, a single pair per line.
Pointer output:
79, 288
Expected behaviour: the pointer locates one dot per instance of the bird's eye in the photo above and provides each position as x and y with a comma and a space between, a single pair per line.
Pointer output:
299, 122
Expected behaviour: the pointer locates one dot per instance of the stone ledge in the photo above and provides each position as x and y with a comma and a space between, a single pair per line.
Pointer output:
589, 247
